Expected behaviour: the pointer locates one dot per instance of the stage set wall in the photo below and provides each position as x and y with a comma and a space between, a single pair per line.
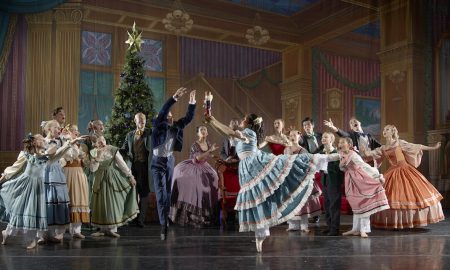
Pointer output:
45, 70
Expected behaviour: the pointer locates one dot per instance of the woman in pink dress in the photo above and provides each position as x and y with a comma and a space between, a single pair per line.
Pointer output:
195, 185
363, 188
312, 206
413, 200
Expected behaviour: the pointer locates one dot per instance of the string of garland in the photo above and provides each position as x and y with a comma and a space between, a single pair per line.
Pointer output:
263, 74
332, 71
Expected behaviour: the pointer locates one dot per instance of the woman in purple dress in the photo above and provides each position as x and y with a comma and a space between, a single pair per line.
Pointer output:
195, 185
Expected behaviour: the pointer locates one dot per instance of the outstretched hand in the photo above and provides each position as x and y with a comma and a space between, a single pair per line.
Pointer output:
329, 124
77, 139
437, 145
180, 92
213, 148
208, 118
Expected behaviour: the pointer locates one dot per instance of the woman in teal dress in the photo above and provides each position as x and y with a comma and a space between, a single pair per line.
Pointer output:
273, 188
113, 202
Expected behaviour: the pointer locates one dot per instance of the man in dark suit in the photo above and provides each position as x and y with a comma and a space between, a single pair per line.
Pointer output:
138, 149
310, 140
362, 141
167, 136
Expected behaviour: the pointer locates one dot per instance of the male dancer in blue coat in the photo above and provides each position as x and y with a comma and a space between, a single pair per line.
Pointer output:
167, 137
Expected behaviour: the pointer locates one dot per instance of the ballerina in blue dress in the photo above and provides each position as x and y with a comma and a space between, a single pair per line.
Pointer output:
273, 188
22, 192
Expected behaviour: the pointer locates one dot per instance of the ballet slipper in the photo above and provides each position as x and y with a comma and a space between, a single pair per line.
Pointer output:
41, 241
112, 234
97, 234
78, 236
364, 235
32, 245
351, 232
5, 236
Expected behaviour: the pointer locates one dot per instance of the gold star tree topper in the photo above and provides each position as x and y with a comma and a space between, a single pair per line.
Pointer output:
134, 39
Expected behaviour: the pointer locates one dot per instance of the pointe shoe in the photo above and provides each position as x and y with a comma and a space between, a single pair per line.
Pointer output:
32, 245
364, 235
292, 229
112, 234
78, 236
351, 232
305, 230
4, 235
259, 242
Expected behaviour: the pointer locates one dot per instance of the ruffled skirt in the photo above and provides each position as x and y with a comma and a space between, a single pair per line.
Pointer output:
414, 201
273, 189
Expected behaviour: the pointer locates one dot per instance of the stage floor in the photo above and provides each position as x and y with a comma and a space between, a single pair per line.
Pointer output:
188, 248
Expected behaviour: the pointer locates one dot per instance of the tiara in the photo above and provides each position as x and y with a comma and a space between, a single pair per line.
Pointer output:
43, 123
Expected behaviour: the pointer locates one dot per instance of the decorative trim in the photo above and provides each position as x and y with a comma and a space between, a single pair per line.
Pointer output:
263, 74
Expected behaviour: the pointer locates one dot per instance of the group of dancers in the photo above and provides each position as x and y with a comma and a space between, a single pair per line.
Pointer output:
64, 180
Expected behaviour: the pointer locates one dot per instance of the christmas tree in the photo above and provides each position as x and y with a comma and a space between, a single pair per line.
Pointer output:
132, 96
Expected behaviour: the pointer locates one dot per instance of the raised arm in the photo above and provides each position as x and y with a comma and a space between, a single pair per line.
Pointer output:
182, 122
224, 129
328, 123
162, 115
338, 131
430, 148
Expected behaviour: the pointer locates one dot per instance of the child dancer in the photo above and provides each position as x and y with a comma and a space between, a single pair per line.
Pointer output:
22, 194
57, 195
332, 180
413, 200
312, 206
77, 184
363, 188
113, 192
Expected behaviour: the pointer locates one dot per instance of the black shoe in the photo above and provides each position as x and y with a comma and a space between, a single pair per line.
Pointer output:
333, 233
326, 231
140, 224
163, 232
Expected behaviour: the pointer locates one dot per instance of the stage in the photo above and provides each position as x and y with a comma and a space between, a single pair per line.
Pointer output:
188, 248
